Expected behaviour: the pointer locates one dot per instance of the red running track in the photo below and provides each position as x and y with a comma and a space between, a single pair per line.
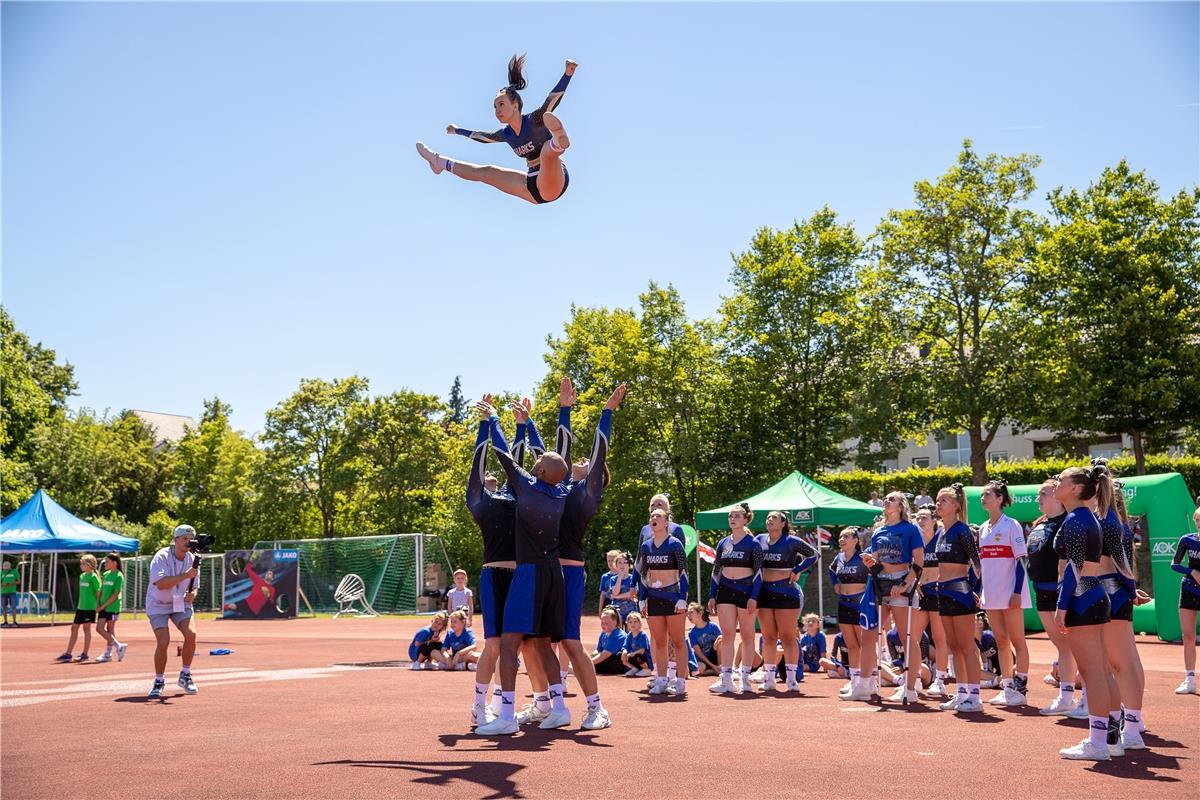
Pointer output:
283, 718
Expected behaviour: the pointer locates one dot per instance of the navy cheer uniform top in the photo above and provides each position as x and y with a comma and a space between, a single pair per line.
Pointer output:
528, 143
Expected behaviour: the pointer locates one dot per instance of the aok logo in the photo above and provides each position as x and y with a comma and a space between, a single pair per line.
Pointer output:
1163, 549
803, 515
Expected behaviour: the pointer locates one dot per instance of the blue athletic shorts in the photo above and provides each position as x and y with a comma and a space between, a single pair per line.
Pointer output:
573, 589
493, 591
536, 603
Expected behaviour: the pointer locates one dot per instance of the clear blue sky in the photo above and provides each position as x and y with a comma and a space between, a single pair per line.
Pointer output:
224, 199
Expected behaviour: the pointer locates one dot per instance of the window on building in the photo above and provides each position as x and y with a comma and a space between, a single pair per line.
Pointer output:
954, 449
1105, 450
921, 462
998, 455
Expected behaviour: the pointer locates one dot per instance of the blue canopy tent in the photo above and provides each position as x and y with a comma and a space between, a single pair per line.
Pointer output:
41, 525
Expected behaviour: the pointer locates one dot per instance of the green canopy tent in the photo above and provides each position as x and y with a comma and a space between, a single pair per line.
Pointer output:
1167, 505
807, 504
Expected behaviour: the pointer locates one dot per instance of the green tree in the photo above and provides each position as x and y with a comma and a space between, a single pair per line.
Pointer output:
400, 452
963, 267
1126, 266
34, 388
216, 467
311, 446
796, 344
457, 403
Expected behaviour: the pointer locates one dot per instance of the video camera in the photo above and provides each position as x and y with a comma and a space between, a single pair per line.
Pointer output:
202, 543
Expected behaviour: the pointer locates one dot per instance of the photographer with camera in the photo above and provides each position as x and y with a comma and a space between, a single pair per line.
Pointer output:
174, 573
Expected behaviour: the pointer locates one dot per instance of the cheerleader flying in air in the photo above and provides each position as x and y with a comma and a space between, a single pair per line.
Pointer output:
538, 137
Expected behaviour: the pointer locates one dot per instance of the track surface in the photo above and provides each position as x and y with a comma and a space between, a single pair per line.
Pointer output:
283, 717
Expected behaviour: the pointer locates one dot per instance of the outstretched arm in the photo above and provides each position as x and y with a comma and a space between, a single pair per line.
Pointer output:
517, 477
562, 434
495, 137
478, 460
556, 94
595, 478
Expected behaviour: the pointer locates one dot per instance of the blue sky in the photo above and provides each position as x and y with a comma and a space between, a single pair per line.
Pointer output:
224, 199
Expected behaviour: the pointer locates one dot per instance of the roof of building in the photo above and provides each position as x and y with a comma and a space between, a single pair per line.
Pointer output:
166, 427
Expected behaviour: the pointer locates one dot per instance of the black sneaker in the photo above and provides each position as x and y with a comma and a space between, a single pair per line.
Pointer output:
157, 689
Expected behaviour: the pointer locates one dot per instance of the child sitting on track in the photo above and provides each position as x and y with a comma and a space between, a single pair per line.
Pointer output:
427, 641
837, 663
607, 655
989, 653
636, 655
702, 639
458, 648
812, 644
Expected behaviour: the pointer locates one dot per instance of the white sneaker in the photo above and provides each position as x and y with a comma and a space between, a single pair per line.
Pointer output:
953, 702
643, 673
860, 695
498, 727
792, 685
969, 706
1116, 750
1014, 698
103, 657
1058, 706
595, 719
121, 648
659, 687
768, 684
847, 689
460, 667
898, 695
937, 687
1000, 699
757, 676
187, 684
748, 686
631, 672
1050, 680
416, 666
481, 715
1132, 739
723, 686
1187, 687
1084, 751
473, 666
678, 688
1078, 711
556, 719
531, 713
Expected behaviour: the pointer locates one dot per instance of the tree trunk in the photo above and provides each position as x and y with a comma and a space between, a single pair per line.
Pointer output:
979, 475
1139, 453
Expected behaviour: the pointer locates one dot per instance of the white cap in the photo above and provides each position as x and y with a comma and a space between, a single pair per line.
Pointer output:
184, 530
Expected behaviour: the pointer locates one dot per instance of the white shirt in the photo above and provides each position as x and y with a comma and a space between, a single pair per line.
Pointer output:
460, 599
165, 565
1000, 546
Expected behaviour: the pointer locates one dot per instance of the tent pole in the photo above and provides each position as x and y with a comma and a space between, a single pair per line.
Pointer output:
53, 586
820, 582
698, 600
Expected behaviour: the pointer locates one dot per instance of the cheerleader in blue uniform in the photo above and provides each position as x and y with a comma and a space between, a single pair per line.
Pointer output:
733, 596
538, 137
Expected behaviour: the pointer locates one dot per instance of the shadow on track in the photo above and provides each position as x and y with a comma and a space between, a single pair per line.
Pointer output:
1140, 765
495, 776
530, 739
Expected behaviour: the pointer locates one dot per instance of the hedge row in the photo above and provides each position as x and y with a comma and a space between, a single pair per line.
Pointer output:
860, 483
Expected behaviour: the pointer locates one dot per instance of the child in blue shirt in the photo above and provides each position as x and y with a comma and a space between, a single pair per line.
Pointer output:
637, 648
702, 639
458, 648
837, 664
427, 641
606, 581
812, 644
607, 655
